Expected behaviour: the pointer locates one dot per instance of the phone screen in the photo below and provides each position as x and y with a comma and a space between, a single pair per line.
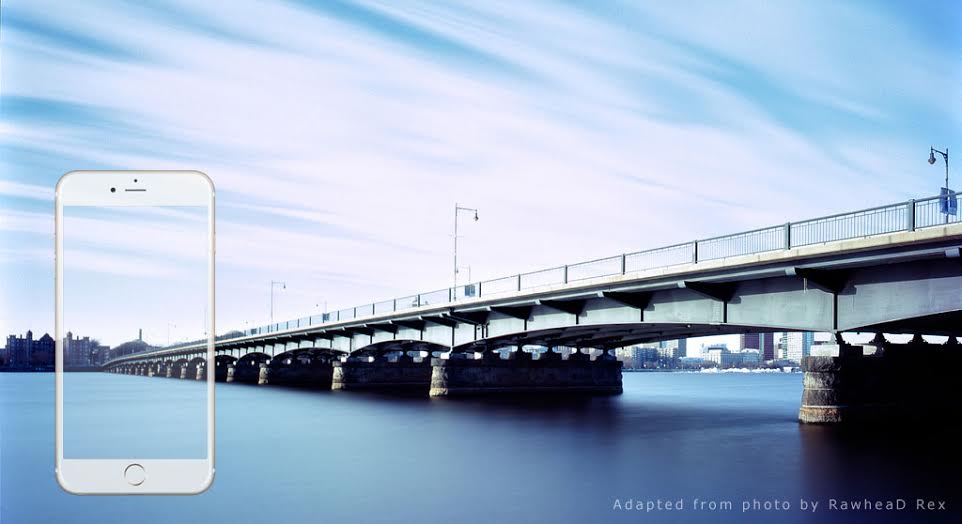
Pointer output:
135, 300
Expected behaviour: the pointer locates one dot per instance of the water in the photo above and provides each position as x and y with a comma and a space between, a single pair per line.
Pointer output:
122, 416
288, 455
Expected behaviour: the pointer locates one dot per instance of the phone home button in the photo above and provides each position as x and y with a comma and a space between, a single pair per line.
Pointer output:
135, 474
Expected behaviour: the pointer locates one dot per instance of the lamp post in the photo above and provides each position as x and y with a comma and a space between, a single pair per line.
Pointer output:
945, 156
458, 209
283, 286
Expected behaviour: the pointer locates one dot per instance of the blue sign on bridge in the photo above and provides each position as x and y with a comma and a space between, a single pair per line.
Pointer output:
948, 202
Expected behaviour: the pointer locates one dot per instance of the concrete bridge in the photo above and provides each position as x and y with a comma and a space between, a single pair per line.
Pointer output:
890, 269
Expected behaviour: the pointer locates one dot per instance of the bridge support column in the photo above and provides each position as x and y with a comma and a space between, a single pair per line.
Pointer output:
455, 377
360, 374
170, 371
183, 371
263, 376
899, 382
223, 369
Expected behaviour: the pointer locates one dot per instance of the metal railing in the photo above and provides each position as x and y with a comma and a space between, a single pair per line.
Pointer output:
903, 216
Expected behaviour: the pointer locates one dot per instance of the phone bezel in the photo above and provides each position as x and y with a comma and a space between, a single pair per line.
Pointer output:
153, 188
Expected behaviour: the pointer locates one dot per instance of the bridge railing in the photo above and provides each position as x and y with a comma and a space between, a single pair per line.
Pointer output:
903, 216
747, 243
864, 223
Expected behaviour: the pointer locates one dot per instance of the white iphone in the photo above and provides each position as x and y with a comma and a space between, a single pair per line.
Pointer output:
134, 332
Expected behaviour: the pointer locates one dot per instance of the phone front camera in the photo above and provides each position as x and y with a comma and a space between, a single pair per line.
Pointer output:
113, 190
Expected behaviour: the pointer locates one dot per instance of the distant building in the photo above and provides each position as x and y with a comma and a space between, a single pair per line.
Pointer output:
18, 350
763, 342
638, 357
692, 362
76, 351
24, 352
83, 352
750, 357
794, 346
43, 351
722, 357
719, 354
673, 349
98, 354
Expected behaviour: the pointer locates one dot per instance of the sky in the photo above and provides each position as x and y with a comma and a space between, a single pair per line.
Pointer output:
341, 134
135, 269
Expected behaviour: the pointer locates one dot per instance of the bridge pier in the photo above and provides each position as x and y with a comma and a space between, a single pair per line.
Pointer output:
522, 374
224, 368
359, 373
899, 382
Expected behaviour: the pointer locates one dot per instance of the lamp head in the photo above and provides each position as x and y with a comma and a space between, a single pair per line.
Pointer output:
475, 216
931, 156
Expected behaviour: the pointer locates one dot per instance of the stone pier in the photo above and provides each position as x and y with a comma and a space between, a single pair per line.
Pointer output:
523, 374
359, 373
897, 382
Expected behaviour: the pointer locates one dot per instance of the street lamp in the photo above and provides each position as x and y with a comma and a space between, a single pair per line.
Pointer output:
948, 194
275, 283
458, 209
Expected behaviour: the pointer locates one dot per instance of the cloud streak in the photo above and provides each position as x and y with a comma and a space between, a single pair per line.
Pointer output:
340, 134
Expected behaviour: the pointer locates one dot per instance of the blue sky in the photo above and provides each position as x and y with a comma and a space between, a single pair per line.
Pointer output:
340, 134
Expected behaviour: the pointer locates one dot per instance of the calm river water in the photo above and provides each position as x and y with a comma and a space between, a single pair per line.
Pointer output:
291, 456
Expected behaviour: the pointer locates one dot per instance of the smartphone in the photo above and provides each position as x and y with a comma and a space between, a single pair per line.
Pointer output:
134, 288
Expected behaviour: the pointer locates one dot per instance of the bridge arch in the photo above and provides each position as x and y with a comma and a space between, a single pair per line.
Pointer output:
248, 368
400, 346
178, 367
252, 359
196, 367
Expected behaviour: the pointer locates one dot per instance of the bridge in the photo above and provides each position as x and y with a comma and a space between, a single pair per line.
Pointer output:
888, 269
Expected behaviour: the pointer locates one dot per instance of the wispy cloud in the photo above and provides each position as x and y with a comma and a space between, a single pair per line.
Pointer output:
340, 134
